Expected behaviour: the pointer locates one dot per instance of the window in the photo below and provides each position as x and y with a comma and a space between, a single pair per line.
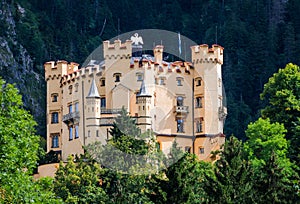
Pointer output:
199, 125
158, 145
76, 107
54, 117
102, 82
70, 108
54, 97
97, 133
187, 149
103, 102
70, 89
76, 131
76, 87
55, 141
179, 125
198, 81
179, 81
139, 76
89, 133
201, 150
117, 77
179, 101
198, 102
162, 81
71, 133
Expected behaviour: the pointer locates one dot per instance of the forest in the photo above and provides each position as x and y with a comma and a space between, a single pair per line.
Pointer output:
260, 161
259, 38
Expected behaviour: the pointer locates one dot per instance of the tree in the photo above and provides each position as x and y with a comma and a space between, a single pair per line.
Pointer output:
282, 94
18, 151
273, 184
130, 160
80, 182
231, 181
263, 139
274, 176
185, 180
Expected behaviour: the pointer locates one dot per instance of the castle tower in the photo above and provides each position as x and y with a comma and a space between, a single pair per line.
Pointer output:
53, 73
208, 87
92, 113
158, 53
143, 100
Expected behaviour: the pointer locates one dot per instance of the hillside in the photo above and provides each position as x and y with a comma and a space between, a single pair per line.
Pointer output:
258, 37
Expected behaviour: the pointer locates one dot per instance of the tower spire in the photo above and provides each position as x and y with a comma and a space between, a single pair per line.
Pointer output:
143, 91
93, 93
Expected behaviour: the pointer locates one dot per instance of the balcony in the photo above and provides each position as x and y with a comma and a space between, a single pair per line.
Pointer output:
71, 118
222, 112
107, 121
110, 111
181, 110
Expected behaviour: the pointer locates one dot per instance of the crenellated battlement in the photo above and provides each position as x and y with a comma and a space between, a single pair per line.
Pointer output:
59, 68
204, 54
117, 50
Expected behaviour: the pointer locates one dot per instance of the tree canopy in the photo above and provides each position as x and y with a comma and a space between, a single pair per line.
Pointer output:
19, 152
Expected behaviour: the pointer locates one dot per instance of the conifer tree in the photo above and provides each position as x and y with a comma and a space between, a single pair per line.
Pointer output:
273, 184
231, 182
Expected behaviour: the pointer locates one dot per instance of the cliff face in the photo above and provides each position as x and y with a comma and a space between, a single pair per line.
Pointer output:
16, 64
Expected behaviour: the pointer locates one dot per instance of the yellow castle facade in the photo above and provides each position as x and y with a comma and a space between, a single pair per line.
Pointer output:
180, 101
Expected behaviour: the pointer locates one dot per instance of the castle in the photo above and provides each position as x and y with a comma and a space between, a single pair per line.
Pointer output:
175, 100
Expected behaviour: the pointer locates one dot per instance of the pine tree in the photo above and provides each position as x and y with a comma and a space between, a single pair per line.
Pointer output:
273, 185
231, 182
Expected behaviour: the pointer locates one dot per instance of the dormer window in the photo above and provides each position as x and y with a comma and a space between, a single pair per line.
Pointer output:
117, 77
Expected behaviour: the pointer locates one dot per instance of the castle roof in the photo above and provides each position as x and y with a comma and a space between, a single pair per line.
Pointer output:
143, 92
93, 93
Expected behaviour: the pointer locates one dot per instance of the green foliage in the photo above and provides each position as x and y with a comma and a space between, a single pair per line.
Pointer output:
186, 178
132, 163
79, 182
18, 151
282, 94
275, 177
128, 150
263, 139
273, 184
231, 181
124, 125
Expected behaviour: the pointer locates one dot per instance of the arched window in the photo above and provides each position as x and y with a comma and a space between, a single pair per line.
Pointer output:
54, 97
179, 101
